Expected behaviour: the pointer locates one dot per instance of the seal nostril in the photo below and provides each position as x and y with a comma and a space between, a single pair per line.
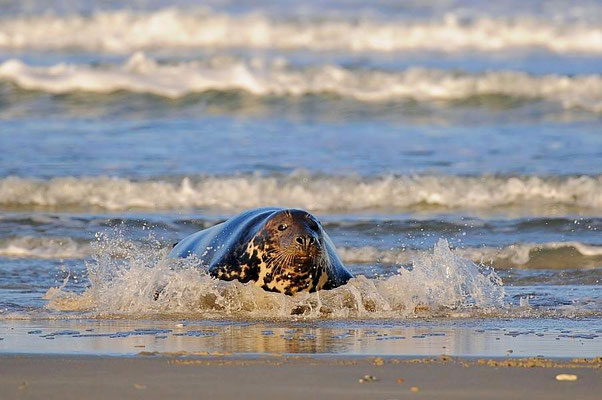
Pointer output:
299, 240
311, 240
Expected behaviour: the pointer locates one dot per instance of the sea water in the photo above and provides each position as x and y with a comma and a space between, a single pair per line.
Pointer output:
452, 151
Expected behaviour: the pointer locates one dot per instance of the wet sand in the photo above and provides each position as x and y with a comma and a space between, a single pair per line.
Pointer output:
153, 376
494, 338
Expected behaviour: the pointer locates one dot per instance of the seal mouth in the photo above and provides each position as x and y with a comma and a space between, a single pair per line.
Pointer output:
306, 252
303, 258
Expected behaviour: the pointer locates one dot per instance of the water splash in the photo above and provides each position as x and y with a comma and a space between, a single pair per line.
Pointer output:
124, 277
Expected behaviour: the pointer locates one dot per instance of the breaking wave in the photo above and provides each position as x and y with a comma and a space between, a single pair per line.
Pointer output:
124, 276
44, 247
550, 255
539, 195
126, 31
140, 74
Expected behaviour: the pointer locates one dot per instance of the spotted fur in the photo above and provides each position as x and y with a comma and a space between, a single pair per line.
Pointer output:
251, 247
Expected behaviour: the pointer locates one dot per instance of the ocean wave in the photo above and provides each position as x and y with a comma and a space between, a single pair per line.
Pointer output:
44, 247
550, 255
343, 225
126, 31
140, 74
539, 195
439, 284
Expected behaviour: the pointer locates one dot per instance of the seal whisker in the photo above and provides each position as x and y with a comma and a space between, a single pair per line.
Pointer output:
277, 263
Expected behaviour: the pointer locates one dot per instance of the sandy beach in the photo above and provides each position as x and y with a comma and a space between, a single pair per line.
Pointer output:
266, 377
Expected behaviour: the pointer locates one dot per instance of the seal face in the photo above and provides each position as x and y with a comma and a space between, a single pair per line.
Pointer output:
281, 250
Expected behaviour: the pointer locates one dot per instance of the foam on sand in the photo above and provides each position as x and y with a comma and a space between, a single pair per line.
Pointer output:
140, 74
126, 31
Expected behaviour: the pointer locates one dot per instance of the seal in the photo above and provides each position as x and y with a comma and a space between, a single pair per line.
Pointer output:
281, 250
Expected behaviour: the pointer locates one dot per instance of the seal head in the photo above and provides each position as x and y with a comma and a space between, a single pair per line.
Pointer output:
281, 250
291, 251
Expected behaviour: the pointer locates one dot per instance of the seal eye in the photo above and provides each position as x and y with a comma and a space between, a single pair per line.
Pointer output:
282, 227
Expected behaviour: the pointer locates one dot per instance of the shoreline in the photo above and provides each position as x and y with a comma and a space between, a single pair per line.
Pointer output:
554, 339
296, 377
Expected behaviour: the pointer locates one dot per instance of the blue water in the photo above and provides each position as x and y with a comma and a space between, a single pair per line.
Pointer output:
497, 149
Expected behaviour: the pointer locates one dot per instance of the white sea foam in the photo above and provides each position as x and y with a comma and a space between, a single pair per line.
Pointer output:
440, 282
315, 193
43, 247
125, 31
570, 254
550, 255
141, 74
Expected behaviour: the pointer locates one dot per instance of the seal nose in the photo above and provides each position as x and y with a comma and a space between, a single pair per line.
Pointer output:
305, 240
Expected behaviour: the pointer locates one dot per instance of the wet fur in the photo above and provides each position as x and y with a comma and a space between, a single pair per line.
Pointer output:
246, 248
